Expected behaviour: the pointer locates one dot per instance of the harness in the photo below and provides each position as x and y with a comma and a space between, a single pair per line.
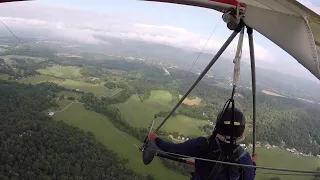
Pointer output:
218, 154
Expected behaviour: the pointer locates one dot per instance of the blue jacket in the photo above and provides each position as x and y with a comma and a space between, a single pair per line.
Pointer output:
199, 147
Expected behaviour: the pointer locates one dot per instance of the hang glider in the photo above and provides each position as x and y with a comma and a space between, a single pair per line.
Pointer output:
289, 24
6, 1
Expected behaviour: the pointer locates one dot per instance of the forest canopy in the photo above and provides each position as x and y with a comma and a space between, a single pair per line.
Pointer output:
33, 146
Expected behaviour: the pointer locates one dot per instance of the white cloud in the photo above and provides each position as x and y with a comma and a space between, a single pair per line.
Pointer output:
85, 26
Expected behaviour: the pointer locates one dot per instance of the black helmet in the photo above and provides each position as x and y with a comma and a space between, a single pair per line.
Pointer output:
223, 124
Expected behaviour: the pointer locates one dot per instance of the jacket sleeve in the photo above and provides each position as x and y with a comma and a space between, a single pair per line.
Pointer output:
187, 148
248, 173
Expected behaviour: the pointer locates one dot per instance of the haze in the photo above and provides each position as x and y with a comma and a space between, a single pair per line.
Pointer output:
173, 25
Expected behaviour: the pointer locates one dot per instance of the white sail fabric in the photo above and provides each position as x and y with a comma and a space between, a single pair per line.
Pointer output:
290, 25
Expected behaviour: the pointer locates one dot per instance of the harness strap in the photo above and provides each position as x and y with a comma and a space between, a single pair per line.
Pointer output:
217, 168
238, 153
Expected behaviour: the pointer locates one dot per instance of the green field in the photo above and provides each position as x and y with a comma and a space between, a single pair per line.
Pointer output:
183, 124
67, 72
69, 94
97, 89
76, 115
140, 114
63, 104
112, 93
34, 59
282, 159
162, 96
39, 79
4, 76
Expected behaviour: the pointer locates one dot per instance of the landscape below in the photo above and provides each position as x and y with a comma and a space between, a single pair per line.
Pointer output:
103, 108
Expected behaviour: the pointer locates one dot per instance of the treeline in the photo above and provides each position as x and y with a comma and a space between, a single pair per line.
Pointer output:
293, 121
103, 106
33, 146
33, 51
184, 169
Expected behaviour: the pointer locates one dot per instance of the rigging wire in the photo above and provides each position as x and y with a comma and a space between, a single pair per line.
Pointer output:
198, 56
195, 61
11, 32
237, 164
307, 172
287, 174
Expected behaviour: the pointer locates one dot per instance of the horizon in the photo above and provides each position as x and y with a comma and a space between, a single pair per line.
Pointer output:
145, 21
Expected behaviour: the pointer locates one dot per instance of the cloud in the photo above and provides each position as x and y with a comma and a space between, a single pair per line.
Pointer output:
85, 27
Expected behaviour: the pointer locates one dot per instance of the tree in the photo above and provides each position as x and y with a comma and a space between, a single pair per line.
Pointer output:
34, 146
110, 84
71, 98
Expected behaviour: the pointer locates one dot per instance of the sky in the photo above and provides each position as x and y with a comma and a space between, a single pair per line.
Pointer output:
176, 25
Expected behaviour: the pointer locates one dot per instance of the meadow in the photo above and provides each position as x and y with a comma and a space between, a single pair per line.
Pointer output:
76, 115
191, 101
28, 58
4, 76
96, 89
280, 158
112, 93
140, 114
68, 72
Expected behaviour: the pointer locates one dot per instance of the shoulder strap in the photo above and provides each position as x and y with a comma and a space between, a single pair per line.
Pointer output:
217, 168
238, 153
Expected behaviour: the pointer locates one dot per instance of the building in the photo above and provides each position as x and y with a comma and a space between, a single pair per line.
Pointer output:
268, 146
51, 113
243, 145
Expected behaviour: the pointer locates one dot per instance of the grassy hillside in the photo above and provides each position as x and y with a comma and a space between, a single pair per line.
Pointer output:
282, 159
162, 96
76, 115
140, 114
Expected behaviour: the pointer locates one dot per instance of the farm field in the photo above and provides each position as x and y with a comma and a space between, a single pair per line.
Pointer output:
111, 93
28, 58
69, 94
183, 125
62, 71
97, 89
4, 76
161, 96
191, 102
140, 114
280, 158
269, 93
76, 115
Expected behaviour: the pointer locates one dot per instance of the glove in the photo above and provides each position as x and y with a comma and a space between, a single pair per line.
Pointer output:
152, 136
254, 158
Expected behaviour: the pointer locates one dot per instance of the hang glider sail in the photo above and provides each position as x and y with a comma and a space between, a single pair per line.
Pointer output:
289, 24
